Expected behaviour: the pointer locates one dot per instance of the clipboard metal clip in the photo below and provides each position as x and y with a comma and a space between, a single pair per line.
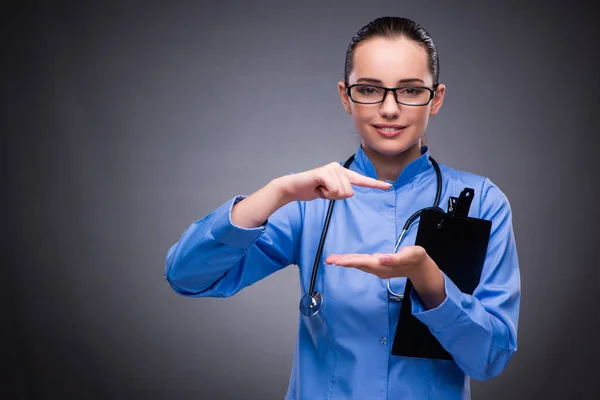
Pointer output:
458, 207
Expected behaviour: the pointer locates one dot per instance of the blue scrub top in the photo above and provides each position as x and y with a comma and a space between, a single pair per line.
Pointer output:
344, 352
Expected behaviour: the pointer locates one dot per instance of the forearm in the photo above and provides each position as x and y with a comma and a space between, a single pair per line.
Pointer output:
216, 258
480, 341
428, 282
255, 209
206, 250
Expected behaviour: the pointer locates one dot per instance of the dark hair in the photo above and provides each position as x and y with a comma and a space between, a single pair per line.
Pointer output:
394, 27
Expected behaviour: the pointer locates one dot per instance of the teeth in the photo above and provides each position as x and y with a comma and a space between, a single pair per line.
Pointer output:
388, 129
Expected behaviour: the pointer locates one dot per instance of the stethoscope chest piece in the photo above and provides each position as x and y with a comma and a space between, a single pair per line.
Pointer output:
310, 305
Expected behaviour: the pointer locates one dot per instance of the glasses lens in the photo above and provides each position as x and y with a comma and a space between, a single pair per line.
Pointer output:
366, 94
413, 95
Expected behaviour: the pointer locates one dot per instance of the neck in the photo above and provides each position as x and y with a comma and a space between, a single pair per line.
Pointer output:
389, 167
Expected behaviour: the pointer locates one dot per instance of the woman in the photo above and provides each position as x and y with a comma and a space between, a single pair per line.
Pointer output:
343, 350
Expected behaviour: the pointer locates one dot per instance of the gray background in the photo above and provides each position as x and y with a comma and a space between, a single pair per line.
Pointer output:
124, 123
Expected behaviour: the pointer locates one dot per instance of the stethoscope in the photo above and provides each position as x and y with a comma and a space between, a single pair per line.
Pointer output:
311, 303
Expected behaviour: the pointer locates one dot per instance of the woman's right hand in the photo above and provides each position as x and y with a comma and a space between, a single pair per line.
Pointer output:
331, 181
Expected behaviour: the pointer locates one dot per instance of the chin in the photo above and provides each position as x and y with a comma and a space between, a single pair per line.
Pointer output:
391, 147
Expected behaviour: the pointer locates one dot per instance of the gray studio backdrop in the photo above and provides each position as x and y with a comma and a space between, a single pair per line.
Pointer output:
128, 122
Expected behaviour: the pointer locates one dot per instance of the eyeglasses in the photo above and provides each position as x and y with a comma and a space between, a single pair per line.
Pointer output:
407, 95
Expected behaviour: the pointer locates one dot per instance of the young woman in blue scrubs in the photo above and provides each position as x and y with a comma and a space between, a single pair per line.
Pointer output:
344, 351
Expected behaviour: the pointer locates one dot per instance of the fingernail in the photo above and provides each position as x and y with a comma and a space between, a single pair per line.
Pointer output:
385, 259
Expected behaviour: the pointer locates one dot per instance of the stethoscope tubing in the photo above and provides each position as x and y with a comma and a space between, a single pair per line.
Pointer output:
316, 299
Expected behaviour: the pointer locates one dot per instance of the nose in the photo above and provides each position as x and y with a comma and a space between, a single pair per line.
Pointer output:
389, 108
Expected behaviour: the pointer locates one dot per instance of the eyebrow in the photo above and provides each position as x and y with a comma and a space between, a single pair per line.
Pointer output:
373, 80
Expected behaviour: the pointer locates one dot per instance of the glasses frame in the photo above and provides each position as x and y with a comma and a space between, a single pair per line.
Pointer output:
393, 90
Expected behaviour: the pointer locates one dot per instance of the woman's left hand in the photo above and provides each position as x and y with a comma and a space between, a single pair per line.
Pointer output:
411, 262
405, 263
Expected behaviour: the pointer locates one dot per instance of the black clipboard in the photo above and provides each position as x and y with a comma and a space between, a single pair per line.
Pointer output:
458, 245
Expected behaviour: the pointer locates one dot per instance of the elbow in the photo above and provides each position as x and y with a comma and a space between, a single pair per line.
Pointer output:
178, 284
171, 269
174, 280
493, 367
185, 280
485, 374
173, 274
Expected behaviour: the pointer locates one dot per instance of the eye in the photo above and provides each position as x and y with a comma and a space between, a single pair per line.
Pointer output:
368, 90
411, 91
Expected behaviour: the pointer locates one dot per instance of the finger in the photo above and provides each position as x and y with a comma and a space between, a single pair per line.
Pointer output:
329, 185
365, 181
359, 255
333, 258
345, 190
408, 255
321, 192
398, 259
380, 272
365, 262
343, 180
347, 185
355, 260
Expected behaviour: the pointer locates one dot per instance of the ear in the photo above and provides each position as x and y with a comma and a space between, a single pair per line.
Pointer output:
438, 99
344, 97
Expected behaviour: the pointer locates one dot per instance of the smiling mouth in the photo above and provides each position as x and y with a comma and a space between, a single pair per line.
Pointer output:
390, 130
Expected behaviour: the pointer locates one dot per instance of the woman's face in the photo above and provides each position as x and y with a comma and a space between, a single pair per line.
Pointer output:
391, 63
